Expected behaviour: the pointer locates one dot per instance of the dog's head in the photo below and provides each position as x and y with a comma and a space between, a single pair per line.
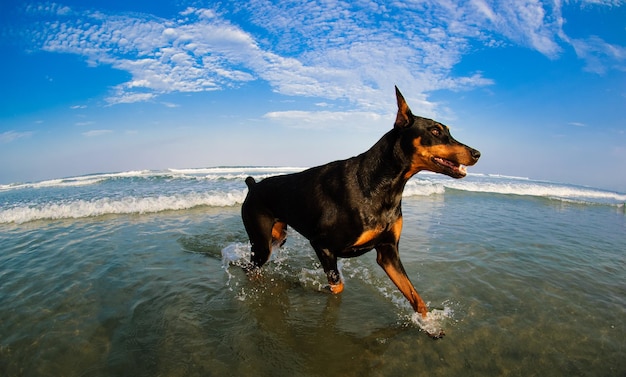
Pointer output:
430, 145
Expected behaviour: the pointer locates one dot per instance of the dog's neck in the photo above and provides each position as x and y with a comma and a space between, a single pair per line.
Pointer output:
389, 164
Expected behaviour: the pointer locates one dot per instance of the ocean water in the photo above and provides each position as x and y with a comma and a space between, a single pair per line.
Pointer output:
136, 274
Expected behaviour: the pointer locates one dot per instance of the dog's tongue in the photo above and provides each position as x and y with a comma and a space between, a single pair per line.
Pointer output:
461, 169
452, 164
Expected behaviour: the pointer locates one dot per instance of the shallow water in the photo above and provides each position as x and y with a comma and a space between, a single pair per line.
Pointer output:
526, 286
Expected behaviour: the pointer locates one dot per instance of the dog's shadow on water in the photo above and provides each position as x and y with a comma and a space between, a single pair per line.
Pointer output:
310, 337
220, 234
207, 244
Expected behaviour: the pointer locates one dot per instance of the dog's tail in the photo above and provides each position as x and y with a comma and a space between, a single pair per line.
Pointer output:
250, 182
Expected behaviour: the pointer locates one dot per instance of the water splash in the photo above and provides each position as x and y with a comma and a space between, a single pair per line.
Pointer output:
236, 254
434, 321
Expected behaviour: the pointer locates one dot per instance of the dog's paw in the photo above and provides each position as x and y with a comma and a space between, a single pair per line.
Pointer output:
336, 288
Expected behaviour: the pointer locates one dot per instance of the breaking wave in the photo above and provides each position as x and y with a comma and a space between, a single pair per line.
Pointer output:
148, 191
128, 205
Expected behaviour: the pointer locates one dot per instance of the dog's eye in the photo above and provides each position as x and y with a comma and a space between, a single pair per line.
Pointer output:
436, 132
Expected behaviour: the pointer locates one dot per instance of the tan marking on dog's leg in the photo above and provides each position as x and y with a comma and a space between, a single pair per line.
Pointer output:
407, 289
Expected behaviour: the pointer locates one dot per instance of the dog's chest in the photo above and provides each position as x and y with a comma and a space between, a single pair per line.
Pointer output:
387, 227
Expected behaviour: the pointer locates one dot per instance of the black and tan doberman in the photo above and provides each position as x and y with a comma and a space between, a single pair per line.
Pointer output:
349, 207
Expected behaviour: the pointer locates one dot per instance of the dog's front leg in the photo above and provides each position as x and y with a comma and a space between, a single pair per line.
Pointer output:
389, 259
329, 263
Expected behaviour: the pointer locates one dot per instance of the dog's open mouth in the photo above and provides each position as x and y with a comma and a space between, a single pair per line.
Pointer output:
451, 168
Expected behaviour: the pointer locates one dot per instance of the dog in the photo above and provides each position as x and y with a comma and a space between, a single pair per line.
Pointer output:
346, 208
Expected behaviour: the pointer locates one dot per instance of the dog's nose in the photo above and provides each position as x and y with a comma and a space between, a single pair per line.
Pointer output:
475, 154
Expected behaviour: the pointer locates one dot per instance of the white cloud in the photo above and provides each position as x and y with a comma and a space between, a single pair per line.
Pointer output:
355, 51
9, 136
600, 56
530, 23
605, 2
577, 124
48, 8
485, 9
122, 96
352, 58
327, 119
162, 56
96, 133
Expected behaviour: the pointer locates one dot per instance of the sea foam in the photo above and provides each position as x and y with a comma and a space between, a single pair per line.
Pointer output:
539, 189
150, 191
128, 205
83, 180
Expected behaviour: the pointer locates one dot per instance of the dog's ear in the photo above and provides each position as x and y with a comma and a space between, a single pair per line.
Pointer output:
404, 117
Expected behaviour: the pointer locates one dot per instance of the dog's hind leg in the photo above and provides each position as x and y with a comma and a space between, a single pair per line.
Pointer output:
329, 263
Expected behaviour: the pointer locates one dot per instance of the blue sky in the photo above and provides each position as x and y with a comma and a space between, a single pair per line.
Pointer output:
101, 86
